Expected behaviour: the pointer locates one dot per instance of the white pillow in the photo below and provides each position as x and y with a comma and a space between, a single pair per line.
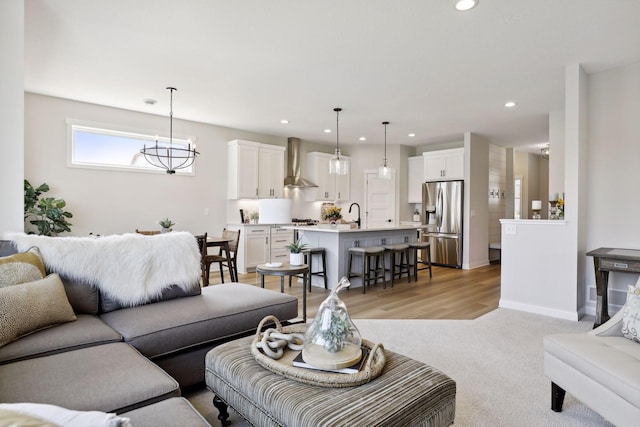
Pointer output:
66, 417
631, 314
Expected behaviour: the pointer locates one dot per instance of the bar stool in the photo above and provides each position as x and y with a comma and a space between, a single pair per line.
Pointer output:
401, 250
308, 259
367, 253
424, 246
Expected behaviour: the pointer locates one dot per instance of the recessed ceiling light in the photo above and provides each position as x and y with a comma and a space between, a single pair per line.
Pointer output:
463, 5
284, 121
510, 104
149, 101
327, 131
412, 135
362, 138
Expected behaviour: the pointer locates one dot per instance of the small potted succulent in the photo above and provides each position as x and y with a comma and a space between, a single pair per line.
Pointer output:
166, 224
296, 257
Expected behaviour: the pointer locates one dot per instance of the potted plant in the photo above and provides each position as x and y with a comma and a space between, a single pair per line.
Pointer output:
254, 217
296, 257
46, 213
166, 224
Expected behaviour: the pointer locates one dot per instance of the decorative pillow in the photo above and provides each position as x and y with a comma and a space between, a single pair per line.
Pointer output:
31, 306
21, 268
56, 415
11, 418
631, 315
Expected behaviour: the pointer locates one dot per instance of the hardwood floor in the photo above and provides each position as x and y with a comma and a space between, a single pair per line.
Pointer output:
450, 294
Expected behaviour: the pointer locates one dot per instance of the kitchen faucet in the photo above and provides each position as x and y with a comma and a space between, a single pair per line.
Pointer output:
358, 220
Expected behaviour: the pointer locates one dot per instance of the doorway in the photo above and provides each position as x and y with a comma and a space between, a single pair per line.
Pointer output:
380, 201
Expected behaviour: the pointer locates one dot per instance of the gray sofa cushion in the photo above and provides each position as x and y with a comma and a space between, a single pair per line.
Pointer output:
83, 297
7, 248
86, 331
108, 304
222, 310
109, 378
176, 411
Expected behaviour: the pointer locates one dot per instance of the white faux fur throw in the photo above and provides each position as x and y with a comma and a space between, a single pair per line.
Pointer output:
129, 268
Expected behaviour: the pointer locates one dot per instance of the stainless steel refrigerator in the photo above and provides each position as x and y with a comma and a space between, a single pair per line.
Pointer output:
442, 204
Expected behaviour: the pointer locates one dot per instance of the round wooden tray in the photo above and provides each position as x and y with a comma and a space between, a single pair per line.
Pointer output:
284, 366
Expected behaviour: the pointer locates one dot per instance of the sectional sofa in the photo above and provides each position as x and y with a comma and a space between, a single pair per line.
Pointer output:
103, 355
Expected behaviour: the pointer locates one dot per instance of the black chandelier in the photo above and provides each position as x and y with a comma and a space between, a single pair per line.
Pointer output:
169, 157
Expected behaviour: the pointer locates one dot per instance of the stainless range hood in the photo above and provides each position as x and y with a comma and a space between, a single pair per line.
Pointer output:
293, 178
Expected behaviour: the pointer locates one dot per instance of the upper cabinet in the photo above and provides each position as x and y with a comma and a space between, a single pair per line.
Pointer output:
255, 170
330, 187
444, 165
415, 179
271, 172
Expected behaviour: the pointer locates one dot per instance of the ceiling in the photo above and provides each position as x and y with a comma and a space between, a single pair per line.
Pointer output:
419, 64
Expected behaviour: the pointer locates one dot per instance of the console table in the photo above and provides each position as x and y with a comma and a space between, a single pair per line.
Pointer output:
604, 261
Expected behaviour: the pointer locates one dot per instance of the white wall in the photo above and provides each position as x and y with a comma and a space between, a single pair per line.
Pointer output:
12, 115
556, 150
613, 172
107, 202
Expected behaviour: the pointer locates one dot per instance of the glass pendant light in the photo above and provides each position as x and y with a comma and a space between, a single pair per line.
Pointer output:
385, 171
338, 165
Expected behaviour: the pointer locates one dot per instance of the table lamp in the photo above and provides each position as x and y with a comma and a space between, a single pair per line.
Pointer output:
536, 207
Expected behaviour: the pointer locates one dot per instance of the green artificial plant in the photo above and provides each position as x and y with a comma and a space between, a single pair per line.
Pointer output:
296, 247
47, 214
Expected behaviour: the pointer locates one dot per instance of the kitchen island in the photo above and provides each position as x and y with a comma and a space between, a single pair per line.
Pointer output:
337, 241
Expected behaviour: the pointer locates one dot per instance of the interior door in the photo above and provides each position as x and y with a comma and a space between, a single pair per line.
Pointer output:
380, 198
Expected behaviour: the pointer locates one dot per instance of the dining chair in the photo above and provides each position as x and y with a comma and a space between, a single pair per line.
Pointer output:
234, 236
202, 246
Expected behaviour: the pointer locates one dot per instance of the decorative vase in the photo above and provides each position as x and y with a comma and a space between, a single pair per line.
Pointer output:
166, 230
296, 259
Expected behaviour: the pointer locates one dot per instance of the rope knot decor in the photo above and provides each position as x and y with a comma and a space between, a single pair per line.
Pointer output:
274, 342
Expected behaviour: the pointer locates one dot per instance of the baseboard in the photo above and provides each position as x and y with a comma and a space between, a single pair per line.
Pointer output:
537, 309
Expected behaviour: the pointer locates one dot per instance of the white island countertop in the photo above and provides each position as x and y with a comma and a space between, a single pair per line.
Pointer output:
342, 228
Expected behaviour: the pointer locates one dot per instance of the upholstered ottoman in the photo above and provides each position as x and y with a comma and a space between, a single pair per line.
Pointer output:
407, 393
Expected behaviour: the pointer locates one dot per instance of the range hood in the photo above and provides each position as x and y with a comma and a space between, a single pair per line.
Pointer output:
293, 178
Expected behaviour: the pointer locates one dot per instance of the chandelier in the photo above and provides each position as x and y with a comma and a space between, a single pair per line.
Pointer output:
169, 157
385, 171
338, 165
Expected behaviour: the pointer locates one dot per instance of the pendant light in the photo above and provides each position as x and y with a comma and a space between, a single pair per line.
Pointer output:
170, 158
338, 165
385, 171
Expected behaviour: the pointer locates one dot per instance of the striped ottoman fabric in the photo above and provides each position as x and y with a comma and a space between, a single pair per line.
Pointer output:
407, 393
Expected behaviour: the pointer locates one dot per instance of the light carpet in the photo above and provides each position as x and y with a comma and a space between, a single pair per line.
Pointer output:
496, 361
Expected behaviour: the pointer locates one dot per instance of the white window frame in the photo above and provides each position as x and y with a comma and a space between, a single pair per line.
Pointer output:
119, 131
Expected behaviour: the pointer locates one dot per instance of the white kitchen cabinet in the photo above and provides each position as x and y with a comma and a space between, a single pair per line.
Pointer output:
444, 164
330, 187
260, 243
415, 179
280, 238
253, 248
255, 170
271, 172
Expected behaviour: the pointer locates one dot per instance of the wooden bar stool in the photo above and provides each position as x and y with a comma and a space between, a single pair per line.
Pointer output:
426, 246
367, 253
308, 259
398, 266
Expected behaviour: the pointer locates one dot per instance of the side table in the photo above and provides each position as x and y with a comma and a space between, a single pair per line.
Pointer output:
604, 261
287, 270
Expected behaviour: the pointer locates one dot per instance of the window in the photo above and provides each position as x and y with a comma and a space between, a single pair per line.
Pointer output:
94, 147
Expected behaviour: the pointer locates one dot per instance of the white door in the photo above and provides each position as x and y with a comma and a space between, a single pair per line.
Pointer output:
380, 201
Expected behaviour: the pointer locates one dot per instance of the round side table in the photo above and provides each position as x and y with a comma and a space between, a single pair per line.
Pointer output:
287, 270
